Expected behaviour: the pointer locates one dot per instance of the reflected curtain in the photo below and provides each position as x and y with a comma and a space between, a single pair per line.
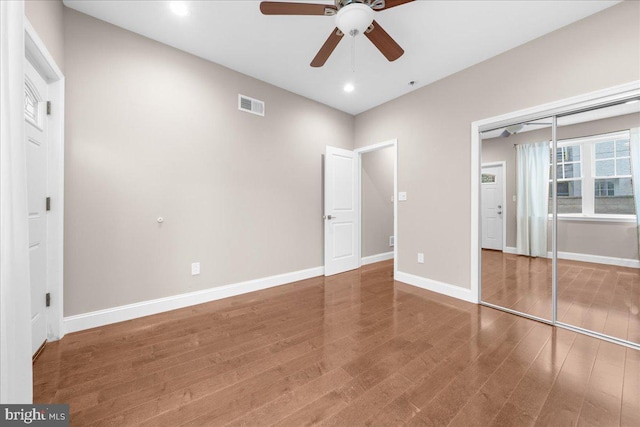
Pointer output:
15, 292
533, 198
634, 144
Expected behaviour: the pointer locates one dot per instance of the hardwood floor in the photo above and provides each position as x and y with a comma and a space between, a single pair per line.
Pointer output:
352, 349
599, 297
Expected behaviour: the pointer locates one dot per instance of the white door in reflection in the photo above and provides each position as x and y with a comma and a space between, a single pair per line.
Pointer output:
492, 206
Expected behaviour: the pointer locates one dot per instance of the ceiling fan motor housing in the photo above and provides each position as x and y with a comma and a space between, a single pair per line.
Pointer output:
354, 18
374, 4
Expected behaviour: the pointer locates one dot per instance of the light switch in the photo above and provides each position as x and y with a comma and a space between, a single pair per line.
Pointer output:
514, 198
420, 258
402, 196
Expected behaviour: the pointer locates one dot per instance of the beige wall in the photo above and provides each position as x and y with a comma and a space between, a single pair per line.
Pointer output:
433, 126
155, 132
152, 131
611, 239
46, 16
377, 206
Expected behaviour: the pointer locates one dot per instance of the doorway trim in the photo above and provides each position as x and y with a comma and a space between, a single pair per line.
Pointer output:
368, 149
592, 100
37, 54
503, 165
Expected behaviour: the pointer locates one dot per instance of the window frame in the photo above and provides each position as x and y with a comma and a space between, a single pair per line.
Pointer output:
563, 163
588, 176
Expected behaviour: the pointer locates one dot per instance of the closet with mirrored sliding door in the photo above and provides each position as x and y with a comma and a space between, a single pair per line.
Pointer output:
558, 204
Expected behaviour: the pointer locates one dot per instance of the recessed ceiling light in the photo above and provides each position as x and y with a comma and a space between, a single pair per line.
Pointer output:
349, 88
179, 8
633, 101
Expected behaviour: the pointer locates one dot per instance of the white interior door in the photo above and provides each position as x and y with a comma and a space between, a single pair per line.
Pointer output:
36, 148
341, 219
492, 207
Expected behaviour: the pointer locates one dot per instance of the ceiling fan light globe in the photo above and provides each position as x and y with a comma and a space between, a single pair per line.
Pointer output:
354, 18
515, 128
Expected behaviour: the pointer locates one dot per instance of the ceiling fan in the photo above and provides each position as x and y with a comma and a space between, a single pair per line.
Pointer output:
353, 17
513, 129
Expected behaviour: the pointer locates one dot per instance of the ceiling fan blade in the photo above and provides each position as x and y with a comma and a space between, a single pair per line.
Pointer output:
388, 4
383, 41
279, 8
327, 48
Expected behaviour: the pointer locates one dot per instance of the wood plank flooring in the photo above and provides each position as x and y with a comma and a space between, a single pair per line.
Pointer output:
602, 298
352, 349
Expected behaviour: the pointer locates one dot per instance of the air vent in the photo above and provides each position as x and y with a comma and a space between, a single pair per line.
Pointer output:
250, 105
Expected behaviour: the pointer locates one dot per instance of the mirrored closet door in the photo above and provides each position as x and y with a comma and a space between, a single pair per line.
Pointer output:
598, 280
515, 226
559, 229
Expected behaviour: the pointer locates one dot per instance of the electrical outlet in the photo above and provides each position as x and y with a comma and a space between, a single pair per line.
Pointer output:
514, 198
420, 258
402, 196
195, 268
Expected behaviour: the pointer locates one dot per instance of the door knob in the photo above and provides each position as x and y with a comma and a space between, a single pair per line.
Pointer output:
499, 212
329, 217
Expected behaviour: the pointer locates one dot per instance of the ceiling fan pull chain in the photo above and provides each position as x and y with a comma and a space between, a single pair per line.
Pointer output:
353, 54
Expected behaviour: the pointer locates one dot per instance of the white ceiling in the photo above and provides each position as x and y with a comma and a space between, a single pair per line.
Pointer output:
439, 38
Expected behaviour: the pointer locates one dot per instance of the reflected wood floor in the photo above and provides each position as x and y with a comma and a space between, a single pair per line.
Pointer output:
599, 297
352, 349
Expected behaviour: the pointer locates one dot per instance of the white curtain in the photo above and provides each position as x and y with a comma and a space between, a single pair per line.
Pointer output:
634, 143
15, 303
533, 198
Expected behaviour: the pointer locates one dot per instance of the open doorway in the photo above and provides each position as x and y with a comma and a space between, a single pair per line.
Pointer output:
377, 201
344, 248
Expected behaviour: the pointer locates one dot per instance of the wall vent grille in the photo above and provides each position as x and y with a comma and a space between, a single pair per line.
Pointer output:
250, 105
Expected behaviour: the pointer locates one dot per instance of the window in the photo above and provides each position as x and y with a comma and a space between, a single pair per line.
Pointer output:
488, 178
613, 191
601, 166
31, 104
569, 179
604, 188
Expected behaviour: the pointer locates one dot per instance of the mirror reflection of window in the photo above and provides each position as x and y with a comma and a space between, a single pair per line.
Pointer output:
601, 165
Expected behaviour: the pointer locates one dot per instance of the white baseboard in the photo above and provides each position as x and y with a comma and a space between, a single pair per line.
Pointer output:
439, 287
510, 250
596, 259
145, 308
377, 258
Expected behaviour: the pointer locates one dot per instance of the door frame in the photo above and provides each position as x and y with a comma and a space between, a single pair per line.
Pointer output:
503, 165
368, 149
36, 52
